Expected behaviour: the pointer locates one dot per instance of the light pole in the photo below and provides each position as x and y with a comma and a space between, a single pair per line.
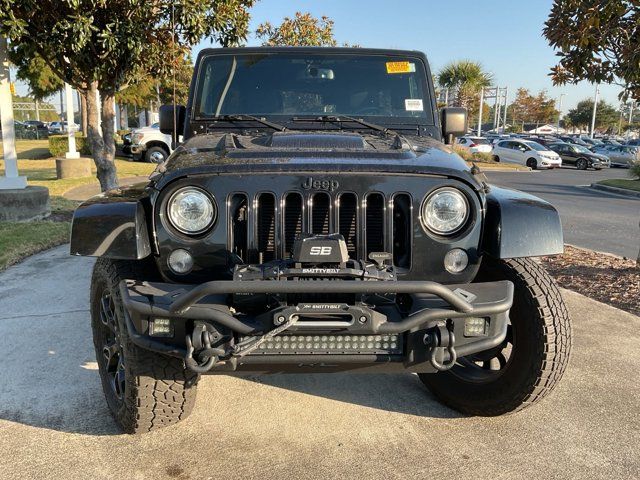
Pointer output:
11, 179
480, 112
630, 117
595, 107
504, 113
559, 111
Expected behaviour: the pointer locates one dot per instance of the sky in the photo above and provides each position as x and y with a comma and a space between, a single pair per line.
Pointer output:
504, 36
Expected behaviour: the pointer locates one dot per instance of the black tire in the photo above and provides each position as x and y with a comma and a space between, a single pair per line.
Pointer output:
145, 390
582, 164
539, 338
532, 163
496, 158
155, 155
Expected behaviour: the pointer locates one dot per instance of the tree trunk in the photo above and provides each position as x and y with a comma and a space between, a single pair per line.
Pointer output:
124, 117
83, 112
638, 259
103, 147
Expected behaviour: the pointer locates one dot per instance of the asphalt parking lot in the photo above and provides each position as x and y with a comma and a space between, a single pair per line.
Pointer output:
590, 218
54, 422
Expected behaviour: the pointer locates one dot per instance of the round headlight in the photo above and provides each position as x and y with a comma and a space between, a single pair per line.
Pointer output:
445, 211
191, 210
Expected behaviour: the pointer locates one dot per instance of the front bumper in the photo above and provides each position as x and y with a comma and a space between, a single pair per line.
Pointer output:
137, 149
432, 304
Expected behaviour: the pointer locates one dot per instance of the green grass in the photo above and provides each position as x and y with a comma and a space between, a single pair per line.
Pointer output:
19, 240
31, 149
622, 183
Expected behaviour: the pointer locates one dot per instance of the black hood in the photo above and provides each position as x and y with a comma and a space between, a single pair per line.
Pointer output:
311, 151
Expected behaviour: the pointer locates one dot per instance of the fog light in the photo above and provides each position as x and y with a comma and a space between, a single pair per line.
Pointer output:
161, 327
180, 261
456, 260
475, 327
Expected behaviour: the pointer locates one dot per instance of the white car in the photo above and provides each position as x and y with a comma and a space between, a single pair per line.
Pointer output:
150, 144
526, 152
61, 127
475, 144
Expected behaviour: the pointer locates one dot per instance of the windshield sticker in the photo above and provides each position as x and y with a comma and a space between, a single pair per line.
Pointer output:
413, 105
401, 67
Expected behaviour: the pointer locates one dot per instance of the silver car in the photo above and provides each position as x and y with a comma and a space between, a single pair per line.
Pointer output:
620, 155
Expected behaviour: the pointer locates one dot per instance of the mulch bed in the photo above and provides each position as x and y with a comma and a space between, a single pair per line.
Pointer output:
603, 277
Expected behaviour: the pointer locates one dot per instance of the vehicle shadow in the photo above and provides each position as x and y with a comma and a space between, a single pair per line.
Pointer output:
399, 393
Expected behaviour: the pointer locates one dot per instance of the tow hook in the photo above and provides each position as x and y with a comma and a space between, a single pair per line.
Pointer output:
200, 340
441, 336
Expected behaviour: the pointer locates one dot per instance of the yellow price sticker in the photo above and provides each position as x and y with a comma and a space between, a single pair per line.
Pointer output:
401, 67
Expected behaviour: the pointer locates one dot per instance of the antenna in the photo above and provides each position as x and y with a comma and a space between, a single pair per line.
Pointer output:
173, 70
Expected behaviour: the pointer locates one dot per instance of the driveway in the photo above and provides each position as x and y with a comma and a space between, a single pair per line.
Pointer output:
590, 218
54, 422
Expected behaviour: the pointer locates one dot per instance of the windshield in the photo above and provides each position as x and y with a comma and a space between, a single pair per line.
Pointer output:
581, 148
479, 141
536, 146
296, 84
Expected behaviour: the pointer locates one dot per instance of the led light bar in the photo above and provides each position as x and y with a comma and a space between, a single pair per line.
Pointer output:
330, 344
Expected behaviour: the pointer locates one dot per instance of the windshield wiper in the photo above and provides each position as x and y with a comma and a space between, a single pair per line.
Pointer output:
243, 117
342, 118
346, 118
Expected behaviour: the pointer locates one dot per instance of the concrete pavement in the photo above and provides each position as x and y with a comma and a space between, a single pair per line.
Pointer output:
54, 422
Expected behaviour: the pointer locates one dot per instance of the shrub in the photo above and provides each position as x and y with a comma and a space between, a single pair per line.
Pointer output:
58, 145
472, 157
634, 172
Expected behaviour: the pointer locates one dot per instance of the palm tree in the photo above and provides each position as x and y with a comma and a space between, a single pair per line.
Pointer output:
465, 78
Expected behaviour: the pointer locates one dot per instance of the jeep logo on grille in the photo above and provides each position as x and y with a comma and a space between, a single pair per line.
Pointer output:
329, 185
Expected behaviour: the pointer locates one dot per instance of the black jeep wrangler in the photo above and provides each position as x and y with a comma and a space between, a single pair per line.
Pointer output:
314, 220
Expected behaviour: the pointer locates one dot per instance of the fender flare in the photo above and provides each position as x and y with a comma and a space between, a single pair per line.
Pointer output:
113, 225
520, 225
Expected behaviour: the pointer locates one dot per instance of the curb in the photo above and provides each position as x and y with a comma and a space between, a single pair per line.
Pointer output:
483, 167
619, 191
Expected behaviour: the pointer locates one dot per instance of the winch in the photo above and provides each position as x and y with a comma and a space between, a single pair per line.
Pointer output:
314, 258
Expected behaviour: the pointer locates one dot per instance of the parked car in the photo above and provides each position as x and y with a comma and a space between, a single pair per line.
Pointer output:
283, 243
475, 144
620, 155
494, 138
574, 140
35, 124
634, 142
148, 144
526, 152
61, 127
579, 156
591, 142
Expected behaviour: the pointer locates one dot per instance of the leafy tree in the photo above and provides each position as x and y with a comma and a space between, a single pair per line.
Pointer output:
606, 115
464, 79
302, 30
596, 41
35, 72
533, 108
96, 45
148, 88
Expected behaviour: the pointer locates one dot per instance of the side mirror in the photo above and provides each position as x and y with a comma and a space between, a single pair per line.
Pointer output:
167, 116
453, 121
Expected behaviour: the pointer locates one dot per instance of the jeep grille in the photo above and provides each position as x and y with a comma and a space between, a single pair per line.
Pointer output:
264, 226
